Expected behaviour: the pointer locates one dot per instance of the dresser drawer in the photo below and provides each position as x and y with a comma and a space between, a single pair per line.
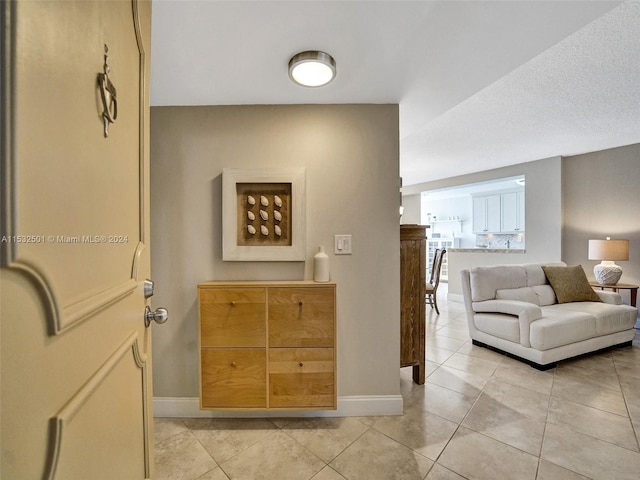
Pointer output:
233, 317
301, 377
301, 317
233, 377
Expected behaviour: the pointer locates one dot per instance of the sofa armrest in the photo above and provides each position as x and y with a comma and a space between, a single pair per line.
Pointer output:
526, 313
610, 297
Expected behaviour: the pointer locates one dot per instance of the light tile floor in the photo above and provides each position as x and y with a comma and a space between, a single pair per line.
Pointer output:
480, 415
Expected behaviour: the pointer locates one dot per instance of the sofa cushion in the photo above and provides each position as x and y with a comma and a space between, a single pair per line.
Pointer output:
540, 295
546, 295
556, 329
609, 318
523, 294
486, 280
570, 284
498, 325
535, 275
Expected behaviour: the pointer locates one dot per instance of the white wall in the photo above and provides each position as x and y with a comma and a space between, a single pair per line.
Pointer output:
543, 216
350, 153
452, 207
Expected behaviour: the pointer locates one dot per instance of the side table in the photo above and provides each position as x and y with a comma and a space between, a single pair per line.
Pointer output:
633, 289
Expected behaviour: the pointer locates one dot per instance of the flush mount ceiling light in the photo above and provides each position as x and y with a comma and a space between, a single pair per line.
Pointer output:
312, 68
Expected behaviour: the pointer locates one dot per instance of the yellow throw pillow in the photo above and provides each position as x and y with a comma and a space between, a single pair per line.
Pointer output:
570, 284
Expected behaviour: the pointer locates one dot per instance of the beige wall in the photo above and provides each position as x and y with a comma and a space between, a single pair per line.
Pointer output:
543, 216
350, 153
600, 196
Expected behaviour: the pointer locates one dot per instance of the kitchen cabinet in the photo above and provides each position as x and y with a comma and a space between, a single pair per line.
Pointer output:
267, 345
512, 212
486, 213
498, 213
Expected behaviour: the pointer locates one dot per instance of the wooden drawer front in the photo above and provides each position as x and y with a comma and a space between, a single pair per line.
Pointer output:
301, 317
233, 317
301, 377
234, 377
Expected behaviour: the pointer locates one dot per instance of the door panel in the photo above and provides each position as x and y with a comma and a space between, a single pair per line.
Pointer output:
71, 183
76, 393
83, 427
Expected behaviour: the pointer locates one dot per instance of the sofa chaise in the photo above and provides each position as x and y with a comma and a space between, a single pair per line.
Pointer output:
543, 313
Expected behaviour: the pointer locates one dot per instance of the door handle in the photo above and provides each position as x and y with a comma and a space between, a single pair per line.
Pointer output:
160, 315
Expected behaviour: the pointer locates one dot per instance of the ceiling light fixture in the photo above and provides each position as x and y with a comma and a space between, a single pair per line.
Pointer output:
312, 68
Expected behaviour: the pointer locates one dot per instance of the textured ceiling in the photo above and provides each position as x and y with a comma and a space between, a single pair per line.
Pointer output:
481, 84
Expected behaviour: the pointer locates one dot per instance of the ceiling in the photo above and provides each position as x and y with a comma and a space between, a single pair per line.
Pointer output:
480, 84
466, 190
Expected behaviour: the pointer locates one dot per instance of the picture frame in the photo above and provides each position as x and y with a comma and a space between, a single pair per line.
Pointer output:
263, 214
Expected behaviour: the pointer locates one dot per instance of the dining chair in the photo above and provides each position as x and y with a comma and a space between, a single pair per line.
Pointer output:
434, 279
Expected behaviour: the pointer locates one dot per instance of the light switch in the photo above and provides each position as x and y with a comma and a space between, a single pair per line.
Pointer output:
342, 244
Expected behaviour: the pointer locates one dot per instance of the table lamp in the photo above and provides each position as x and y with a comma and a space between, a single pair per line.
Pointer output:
607, 272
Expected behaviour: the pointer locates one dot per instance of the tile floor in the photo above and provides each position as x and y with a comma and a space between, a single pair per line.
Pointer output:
480, 415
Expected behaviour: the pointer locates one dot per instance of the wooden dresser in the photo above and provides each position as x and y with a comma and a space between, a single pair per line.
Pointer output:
267, 345
413, 271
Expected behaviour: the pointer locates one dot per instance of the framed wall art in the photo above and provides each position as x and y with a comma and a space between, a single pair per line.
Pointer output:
263, 214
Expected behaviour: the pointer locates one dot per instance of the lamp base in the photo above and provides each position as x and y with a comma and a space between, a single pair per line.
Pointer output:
607, 273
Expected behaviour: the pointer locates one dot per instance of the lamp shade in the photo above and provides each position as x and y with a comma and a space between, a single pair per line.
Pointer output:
611, 250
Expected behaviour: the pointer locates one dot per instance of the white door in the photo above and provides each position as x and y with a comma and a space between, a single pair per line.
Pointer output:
75, 353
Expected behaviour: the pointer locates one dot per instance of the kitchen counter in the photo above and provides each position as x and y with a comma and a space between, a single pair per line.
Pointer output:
487, 250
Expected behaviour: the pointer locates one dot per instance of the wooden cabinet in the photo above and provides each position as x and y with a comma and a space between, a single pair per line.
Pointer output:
233, 377
301, 377
413, 252
267, 345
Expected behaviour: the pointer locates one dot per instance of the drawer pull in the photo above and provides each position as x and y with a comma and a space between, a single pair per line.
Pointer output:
301, 364
233, 304
300, 303
233, 364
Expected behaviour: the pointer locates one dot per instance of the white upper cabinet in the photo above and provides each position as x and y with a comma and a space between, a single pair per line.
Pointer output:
486, 214
512, 212
498, 213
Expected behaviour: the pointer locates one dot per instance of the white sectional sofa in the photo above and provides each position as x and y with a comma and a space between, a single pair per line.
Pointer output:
514, 309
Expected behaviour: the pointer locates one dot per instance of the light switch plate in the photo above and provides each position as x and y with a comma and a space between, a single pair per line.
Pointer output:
342, 244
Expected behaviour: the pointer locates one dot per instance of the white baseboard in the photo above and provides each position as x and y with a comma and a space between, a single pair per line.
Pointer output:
355, 406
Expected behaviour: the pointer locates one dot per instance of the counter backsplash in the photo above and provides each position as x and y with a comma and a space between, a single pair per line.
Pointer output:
500, 240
